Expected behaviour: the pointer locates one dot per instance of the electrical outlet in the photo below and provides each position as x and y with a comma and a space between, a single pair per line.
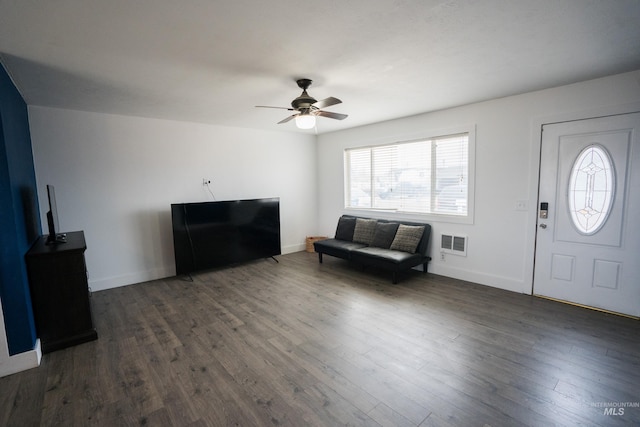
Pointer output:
442, 255
206, 181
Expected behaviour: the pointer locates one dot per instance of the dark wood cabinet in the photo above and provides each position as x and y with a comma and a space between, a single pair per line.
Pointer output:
60, 292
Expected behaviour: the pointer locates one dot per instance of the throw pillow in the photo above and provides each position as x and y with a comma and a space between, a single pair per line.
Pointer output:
346, 225
363, 232
407, 238
384, 234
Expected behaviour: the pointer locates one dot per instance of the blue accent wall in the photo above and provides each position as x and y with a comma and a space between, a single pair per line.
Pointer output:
19, 216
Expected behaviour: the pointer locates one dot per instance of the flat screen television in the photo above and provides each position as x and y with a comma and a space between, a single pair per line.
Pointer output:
52, 219
215, 234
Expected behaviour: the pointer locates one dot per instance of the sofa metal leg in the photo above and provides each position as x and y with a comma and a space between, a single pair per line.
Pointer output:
320, 257
424, 267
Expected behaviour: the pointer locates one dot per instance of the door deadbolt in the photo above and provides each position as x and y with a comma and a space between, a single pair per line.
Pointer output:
544, 210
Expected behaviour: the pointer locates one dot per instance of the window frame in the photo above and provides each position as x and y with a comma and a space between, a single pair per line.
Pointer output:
420, 216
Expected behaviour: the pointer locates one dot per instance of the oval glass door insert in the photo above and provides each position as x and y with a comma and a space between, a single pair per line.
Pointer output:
590, 191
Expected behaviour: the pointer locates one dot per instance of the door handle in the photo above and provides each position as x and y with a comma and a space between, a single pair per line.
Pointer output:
543, 225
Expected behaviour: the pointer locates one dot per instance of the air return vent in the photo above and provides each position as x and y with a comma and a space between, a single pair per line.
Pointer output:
452, 244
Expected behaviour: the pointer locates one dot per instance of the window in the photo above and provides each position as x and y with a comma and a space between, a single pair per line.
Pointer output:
429, 176
590, 189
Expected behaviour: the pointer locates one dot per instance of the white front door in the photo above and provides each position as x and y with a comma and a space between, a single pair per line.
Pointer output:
588, 241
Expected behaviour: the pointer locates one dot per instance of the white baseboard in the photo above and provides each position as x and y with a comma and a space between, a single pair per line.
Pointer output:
158, 273
293, 248
500, 282
20, 362
130, 279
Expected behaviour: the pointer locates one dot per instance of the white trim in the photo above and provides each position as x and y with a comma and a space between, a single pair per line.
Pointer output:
158, 273
18, 362
130, 279
469, 218
289, 249
496, 281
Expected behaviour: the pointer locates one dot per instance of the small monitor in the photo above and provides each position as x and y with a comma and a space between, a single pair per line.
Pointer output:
52, 219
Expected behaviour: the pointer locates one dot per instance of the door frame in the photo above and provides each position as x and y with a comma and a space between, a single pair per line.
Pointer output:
534, 167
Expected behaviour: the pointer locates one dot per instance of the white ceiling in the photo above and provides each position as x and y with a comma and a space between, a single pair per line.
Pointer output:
212, 61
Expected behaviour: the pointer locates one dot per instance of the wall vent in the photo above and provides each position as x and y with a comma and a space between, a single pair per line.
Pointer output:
453, 244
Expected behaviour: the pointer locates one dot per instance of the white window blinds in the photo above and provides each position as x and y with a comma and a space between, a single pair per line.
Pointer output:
427, 176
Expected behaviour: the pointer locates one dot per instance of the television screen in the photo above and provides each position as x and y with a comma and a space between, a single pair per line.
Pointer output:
52, 218
214, 234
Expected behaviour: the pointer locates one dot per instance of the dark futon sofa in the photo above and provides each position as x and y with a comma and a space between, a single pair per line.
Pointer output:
391, 245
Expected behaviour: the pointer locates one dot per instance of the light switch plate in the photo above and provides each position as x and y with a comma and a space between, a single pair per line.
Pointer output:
521, 205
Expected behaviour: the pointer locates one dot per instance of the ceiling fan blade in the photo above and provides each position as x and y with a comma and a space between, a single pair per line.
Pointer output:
280, 108
331, 115
287, 119
323, 103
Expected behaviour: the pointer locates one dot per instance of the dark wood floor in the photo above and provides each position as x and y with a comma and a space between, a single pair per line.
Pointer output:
296, 343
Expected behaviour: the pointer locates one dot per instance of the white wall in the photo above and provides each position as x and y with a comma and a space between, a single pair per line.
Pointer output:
116, 176
501, 239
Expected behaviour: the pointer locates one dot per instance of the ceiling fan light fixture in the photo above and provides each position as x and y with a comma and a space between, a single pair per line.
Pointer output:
305, 121
307, 108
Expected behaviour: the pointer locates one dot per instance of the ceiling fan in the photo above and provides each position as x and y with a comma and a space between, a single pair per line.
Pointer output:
307, 108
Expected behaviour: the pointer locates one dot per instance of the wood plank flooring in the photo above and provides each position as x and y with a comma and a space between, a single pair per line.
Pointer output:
297, 343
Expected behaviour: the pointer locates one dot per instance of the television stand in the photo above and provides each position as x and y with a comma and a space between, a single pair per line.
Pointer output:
60, 292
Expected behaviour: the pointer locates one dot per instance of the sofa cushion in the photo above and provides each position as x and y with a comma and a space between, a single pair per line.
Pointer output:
407, 238
346, 226
384, 234
337, 248
364, 230
386, 258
